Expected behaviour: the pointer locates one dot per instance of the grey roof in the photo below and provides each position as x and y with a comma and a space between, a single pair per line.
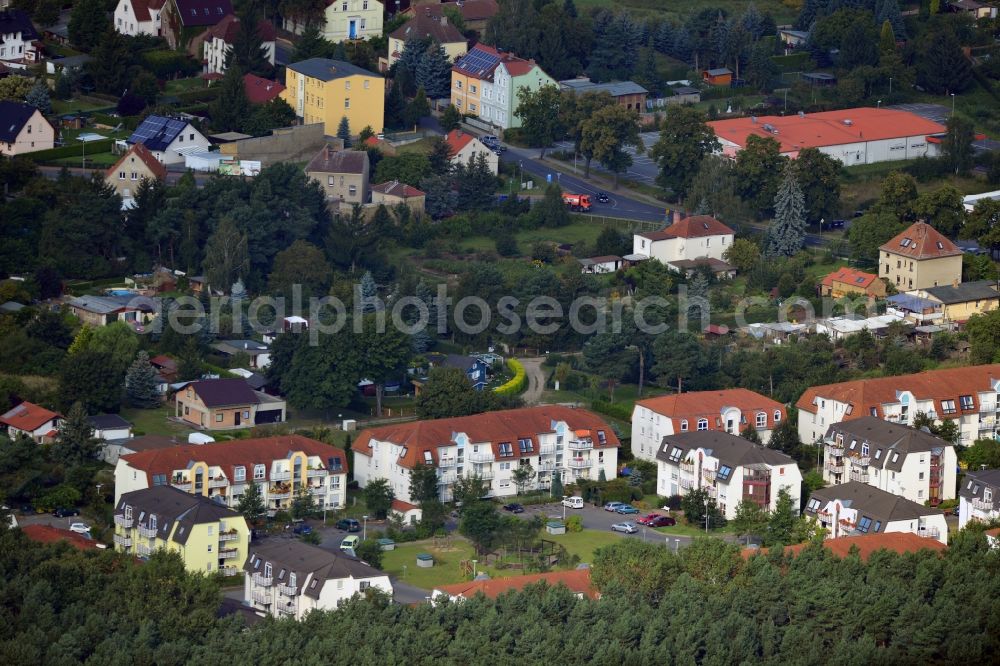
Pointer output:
884, 439
613, 88
731, 450
719, 70
224, 392
13, 116
326, 69
202, 12
872, 502
251, 347
11, 307
964, 292
171, 505
145, 443
109, 304
977, 481
293, 556
16, 20
73, 62
329, 160
256, 381
108, 421
686, 90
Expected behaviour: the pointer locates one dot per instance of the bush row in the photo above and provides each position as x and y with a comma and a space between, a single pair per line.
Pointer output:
516, 384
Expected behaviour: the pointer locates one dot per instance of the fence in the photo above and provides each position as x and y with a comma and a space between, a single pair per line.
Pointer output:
621, 223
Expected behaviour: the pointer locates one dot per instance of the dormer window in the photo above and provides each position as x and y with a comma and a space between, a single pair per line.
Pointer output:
684, 425
702, 424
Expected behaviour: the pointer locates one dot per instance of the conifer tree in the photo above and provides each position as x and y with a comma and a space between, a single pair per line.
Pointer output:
140, 383
39, 98
434, 73
76, 444
786, 234
231, 108
344, 131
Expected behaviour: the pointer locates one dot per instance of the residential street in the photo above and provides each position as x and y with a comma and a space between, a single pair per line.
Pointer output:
536, 380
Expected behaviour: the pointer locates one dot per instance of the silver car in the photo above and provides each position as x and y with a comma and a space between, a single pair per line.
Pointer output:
626, 527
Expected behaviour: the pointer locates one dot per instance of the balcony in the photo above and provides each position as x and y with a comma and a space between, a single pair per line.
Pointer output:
123, 540
230, 571
859, 475
687, 467
863, 461
143, 551
757, 478
447, 479
287, 590
261, 580
218, 483
487, 475
580, 463
279, 492
262, 597
929, 532
122, 521
481, 457
835, 449
982, 505
547, 466
447, 463
228, 553
711, 491
709, 473
148, 532
281, 476
317, 490
316, 473
686, 483
231, 535
834, 467
580, 444
287, 609
182, 484
547, 450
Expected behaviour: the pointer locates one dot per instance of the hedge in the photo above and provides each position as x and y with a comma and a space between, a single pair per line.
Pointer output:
618, 411
72, 150
516, 384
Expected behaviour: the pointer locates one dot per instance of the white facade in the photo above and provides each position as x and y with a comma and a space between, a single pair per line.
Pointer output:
190, 138
472, 150
14, 46
979, 497
346, 20
839, 520
113, 433
128, 23
864, 152
679, 249
215, 50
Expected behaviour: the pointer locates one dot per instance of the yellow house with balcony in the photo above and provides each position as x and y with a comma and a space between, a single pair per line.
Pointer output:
209, 537
324, 91
346, 20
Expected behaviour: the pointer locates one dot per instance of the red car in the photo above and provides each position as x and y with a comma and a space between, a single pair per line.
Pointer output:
657, 520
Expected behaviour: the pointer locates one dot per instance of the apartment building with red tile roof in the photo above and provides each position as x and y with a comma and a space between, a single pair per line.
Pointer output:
920, 257
576, 581
50, 534
729, 410
966, 395
867, 545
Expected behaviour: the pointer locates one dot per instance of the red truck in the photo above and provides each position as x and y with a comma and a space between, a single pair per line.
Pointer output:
577, 202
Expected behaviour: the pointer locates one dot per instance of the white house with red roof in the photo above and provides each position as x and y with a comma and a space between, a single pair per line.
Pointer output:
729, 410
222, 36
851, 136
138, 17
38, 423
552, 439
465, 147
688, 239
967, 396
223, 471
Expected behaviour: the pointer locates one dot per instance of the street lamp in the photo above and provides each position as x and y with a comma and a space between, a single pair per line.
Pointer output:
520, 175
677, 546
564, 508
890, 86
953, 105
364, 533
474, 562
878, 104
706, 515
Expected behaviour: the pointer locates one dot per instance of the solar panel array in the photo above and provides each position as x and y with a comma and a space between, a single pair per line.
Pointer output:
478, 62
156, 132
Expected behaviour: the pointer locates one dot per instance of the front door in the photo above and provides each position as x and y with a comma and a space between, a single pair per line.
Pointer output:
237, 421
352, 31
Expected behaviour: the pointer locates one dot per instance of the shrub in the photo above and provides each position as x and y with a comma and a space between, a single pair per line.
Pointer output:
517, 383
574, 524
507, 245
623, 412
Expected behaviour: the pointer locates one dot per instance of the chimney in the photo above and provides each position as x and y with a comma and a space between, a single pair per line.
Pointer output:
444, 20
954, 283
677, 216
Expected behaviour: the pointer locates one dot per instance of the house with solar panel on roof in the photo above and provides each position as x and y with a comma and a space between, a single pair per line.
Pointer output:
485, 82
169, 138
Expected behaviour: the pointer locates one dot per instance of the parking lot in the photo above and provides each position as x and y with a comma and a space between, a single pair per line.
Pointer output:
596, 518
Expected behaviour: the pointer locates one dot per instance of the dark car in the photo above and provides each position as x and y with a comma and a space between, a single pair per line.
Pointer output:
63, 512
661, 521
603, 198
302, 528
626, 509
513, 507
348, 525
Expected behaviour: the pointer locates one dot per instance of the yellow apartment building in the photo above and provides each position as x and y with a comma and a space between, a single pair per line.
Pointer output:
920, 257
324, 91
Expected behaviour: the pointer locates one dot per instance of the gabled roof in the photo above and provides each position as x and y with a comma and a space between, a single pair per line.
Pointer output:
141, 152
425, 25
310, 564
863, 395
158, 132
963, 292
471, 10
710, 405
394, 188
576, 580
977, 481
13, 116
921, 241
250, 347
872, 502
147, 443
457, 140
731, 450
229, 27
13, 21
885, 439
224, 392
850, 276
202, 12
329, 160
867, 545
479, 62
141, 8
326, 69
49, 534
28, 416
171, 505
108, 422
695, 226
260, 90
237, 453
493, 428
719, 71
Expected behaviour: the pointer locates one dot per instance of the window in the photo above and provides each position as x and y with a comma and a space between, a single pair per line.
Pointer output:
472, 89
602, 437
920, 476
472, 107
365, 86
864, 524
505, 467
352, 190
428, 459
813, 505
724, 472
506, 450
347, 85
240, 473
966, 401
895, 457
121, 175
777, 414
878, 454
948, 406
267, 570
343, 7
364, 5
364, 585
878, 526
246, 414
159, 479
347, 102
152, 521
258, 472
702, 424
361, 24
684, 425
458, 84
675, 454
329, 181
281, 574
218, 418
865, 450
761, 420
292, 580
525, 445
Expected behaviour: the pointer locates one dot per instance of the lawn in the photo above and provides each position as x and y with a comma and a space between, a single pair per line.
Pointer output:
155, 422
678, 11
421, 146
446, 569
585, 543
682, 529
79, 103
176, 86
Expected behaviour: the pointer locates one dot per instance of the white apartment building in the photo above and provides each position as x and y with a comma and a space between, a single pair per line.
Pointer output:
895, 458
729, 468
854, 508
968, 396
729, 410
138, 17
222, 36
979, 497
345, 20
17, 37
687, 239
552, 439
280, 466
289, 578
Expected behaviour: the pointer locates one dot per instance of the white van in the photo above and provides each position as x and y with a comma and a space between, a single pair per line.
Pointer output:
573, 502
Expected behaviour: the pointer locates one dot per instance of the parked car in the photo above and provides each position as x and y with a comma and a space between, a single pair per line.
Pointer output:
348, 525
80, 528
603, 197
612, 506
626, 509
657, 520
302, 528
513, 507
350, 543
489, 140
573, 502
626, 527
63, 512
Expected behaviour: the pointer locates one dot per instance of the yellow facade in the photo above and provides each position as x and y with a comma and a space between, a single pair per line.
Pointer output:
219, 546
465, 92
453, 50
907, 273
361, 98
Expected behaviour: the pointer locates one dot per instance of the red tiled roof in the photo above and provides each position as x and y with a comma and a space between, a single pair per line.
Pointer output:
228, 455
457, 140
937, 385
709, 405
49, 534
850, 276
141, 8
517, 66
490, 428
921, 241
474, 58
577, 580
471, 10
162, 360
897, 542
260, 90
229, 26
397, 189
695, 226
403, 507
145, 156
828, 128
28, 416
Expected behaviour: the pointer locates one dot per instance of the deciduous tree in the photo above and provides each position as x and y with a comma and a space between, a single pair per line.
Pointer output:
607, 135
685, 140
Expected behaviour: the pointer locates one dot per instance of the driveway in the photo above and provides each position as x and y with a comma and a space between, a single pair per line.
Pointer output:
536, 380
